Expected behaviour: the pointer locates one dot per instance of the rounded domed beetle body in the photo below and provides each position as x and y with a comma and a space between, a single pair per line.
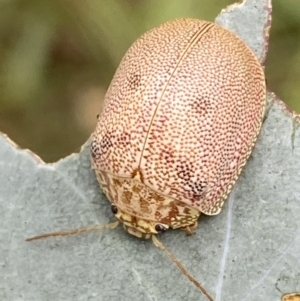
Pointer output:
180, 119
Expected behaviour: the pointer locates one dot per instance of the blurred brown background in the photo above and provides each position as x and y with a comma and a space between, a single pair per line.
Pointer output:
57, 58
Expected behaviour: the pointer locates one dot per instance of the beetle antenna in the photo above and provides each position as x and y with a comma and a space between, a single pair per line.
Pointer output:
75, 231
160, 245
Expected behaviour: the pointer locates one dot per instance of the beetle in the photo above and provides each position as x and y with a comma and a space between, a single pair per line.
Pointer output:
180, 120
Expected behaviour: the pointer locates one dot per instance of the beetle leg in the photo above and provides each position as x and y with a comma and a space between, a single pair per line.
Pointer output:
190, 229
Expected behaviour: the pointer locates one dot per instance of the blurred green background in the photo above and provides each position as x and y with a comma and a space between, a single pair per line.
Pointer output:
57, 58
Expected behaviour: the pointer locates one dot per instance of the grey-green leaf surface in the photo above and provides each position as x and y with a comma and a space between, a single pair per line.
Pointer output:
249, 252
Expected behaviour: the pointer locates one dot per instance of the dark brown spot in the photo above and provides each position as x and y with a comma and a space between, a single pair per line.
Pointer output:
136, 189
172, 213
134, 81
157, 197
138, 171
95, 150
195, 188
200, 105
144, 206
99, 148
127, 196
158, 216
186, 211
117, 182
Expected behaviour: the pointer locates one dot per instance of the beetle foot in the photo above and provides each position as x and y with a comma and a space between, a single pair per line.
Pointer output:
190, 229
